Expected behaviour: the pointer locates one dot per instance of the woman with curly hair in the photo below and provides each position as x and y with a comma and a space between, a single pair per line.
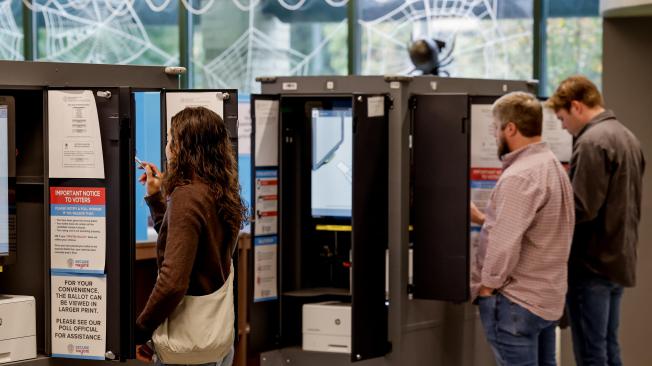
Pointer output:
197, 212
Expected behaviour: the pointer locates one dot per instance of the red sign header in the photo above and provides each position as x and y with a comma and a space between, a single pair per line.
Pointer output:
77, 196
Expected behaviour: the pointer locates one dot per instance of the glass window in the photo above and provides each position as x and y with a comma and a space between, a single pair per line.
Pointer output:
574, 42
108, 31
148, 148
11, 30
236, 41
483, 39
244, 151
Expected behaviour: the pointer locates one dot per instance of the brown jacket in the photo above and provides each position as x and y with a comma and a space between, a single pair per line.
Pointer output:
193, 250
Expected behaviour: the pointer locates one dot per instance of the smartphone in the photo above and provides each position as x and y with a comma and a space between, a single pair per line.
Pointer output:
142, 166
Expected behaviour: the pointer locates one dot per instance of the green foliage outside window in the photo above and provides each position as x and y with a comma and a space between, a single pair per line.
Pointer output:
574, 46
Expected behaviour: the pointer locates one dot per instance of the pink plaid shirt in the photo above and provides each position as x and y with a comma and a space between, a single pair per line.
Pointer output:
526, 237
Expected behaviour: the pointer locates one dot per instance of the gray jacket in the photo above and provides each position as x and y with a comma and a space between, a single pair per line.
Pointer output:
606, 172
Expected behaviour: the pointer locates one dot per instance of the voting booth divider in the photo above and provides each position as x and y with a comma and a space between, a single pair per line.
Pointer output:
362, 237
75, 168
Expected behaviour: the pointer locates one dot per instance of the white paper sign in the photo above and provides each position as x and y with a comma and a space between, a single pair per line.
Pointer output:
265, 269
485, 165
79, 316
484, 151
175, 102
375, 106
77, 229
244, 127
266, 195
266, 113
75, 143
559, 140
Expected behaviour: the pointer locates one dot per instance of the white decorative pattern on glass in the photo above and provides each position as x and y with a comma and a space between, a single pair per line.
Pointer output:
255, 40
11, 36
98, 31
484, 45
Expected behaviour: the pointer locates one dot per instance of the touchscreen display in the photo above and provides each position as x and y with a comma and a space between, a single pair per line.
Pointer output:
332, 162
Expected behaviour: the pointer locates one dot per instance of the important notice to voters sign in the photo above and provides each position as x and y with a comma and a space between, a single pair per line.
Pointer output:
78, 229
79, 316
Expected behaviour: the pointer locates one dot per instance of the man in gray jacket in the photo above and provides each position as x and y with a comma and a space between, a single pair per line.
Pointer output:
606, 173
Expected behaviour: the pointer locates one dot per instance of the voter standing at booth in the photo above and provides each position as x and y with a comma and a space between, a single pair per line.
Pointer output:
198, 213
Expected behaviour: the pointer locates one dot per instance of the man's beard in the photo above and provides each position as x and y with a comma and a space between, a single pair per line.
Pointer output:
503, 148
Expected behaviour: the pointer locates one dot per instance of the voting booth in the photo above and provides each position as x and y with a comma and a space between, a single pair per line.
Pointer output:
351, 175
68, 211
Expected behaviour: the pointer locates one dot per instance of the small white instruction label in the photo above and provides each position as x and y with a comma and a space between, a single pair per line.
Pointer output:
375, 106
290, 86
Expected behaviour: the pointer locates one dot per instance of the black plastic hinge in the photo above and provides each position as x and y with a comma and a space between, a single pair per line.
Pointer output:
390, 102
412, 103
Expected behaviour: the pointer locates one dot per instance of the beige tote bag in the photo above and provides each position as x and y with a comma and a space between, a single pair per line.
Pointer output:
200, 330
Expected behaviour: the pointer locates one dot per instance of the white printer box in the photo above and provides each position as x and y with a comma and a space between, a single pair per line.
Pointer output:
327, 327
17, 328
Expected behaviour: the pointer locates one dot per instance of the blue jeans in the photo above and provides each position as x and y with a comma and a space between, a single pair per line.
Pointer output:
517, 336
593, 306
226, 361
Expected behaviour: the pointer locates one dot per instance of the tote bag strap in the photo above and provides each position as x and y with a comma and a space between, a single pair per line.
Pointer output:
233, 250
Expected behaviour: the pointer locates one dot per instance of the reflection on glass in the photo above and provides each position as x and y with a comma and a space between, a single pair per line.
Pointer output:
148, 148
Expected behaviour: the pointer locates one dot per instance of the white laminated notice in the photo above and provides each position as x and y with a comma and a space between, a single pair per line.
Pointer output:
175, 102
265, 268
559, 140
78, 316
75, 143
484, 151
375, 106
266, 130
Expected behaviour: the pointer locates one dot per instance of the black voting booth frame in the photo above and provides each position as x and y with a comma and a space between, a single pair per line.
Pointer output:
29, 83
418, 151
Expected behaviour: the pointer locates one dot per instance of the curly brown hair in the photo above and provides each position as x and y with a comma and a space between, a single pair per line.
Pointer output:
202, 151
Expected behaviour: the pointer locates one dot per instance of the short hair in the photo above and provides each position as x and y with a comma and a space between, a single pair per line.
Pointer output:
522, 109
578, 88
